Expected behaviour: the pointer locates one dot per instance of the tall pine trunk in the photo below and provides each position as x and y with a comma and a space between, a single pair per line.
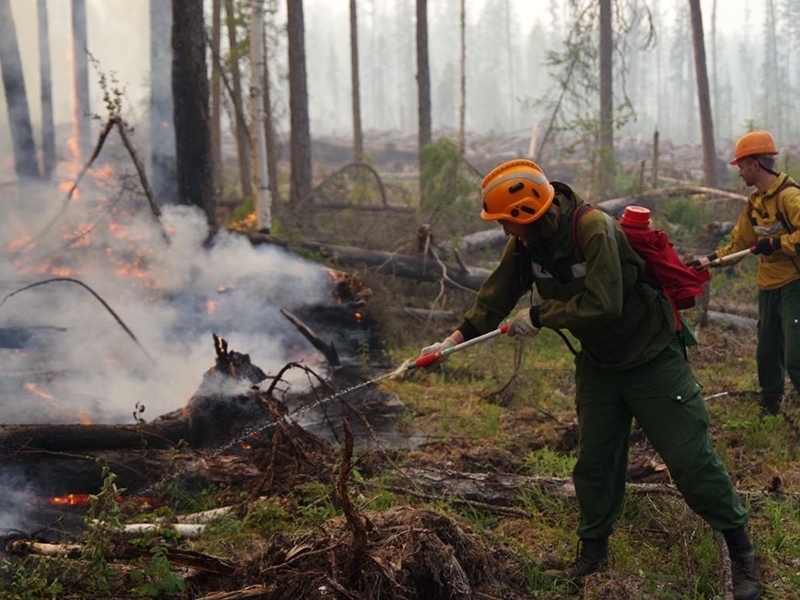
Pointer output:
462, 105
301, 183
16, 98
423, 89
190, 93
46, 91
607, 162
80, 81
242, 133
216, 99
703, 97
355, 91
161, 121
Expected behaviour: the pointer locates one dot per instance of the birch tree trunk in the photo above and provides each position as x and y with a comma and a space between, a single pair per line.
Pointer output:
80, 81
242, 134
263, 201
301, 183
161, 120
16, 98
273, 154
703, 96
46, 93
358, 142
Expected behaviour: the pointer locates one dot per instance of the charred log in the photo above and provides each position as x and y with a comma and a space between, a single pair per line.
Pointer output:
87, 438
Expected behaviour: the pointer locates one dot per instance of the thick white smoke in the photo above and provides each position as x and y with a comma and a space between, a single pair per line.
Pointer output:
67, 358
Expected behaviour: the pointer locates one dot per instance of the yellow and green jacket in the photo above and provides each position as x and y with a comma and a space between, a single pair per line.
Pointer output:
774, 213
600, 295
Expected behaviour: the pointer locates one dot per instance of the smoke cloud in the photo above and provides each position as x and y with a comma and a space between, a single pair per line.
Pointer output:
67, 358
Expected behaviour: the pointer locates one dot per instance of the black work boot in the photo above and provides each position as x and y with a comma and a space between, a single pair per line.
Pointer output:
592, 556
744, 568
771, 405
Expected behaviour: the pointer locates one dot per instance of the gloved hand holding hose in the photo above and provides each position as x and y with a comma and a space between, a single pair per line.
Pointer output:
702, 262
446, 343
441, 350
712, 260
525, 322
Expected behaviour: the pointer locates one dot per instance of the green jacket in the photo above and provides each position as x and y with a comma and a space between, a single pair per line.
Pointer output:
601, 299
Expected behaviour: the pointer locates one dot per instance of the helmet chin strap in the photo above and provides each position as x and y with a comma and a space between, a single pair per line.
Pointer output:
767, 169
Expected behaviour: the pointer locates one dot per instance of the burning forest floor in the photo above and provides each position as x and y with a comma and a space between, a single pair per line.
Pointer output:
479, 506
449, 483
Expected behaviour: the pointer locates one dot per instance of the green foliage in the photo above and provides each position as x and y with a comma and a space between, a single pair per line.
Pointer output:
574, 100
447, 194
546, 462
156, 577
32, 579
244, 209
317, 504
103, 524
690, 215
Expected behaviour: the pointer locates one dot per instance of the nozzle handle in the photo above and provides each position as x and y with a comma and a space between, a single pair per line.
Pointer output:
434, 357
728, 257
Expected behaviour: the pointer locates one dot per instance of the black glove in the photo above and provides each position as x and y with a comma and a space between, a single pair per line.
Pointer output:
767, 246
702, 262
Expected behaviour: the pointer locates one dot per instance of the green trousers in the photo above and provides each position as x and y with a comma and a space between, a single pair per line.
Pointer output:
666, 401
778, 350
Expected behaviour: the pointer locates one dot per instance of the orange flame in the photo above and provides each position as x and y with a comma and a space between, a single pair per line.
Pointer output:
35, 389
70, 500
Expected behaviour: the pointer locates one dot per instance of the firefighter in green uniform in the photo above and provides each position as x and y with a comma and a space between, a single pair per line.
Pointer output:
631, 362
769, 224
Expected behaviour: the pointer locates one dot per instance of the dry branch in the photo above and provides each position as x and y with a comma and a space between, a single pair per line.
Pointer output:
176, 556
354, 522
253, 592
327, 350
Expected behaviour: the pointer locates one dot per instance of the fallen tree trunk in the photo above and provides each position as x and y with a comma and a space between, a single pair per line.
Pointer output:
615, 206
731, 321
62, 478
749, 311
403, 265
506, 490
82, 438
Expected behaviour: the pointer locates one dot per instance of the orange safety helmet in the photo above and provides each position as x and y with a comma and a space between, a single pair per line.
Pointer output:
516, 191
753, 142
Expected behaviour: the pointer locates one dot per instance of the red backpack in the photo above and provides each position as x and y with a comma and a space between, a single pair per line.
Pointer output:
681, 284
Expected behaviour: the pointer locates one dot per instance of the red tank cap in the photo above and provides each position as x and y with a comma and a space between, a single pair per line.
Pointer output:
636, 216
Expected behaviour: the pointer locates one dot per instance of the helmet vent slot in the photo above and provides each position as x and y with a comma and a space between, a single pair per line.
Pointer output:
516, 187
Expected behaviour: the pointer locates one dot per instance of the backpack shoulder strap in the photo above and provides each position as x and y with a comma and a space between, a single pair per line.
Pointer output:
781, 217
